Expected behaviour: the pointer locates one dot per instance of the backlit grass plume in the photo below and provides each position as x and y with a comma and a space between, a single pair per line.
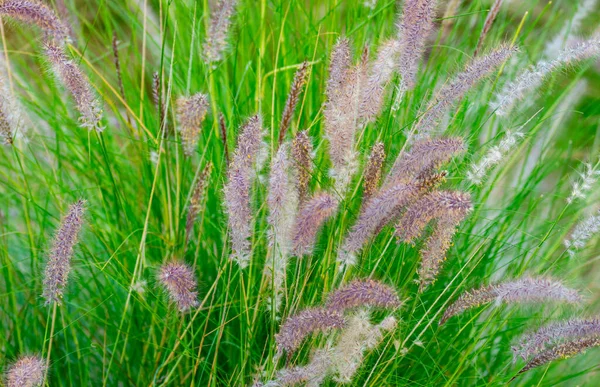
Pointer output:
587, 178
61, 253
39, 14
311, 217
416, 22
180, 282
373, 170
238, 189
531, 78
218, 31
298, 327
300, 79
493, 157
380, 73
532, 344
525, 290
302, 150
197, 199
27, 371
9, 114
191, 112
78, 85
583, 232
454, 90
363, 293
282, 202
561, 351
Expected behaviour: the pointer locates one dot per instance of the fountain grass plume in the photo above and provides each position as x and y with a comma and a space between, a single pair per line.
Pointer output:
373, 170
191, 112
180, 282
39, 14
302, 153
363, 293
524, 290
311, 217
58, 266
298, 327
300, 79
217, 35
27, 371
197, 199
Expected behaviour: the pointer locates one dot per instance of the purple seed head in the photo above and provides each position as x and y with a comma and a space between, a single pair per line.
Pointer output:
296, 328
28, 371
59, 260
197, 199
363, 293
179, 280
293, 97
78, 85
373, 170
191, 112
302, 150
218, 31
313, 214
39, 14
525, 290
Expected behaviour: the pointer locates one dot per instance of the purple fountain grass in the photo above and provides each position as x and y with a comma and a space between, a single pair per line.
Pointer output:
361, 292
373, 170
448, 206
487, 25
524, 290
561, 351
191, 112
453, 91
197, 199
296, 328
9, 114
27, 371
416, 22
300, 79
377, 210
302, 150
312, 374
357, 337
237, 189
59, 259
532, 78
75, 81
311, 217
180, 282
218, 31
423, 158
533, 343
282, 202
39, 14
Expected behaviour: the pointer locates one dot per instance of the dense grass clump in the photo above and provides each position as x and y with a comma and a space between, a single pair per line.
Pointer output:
291, 192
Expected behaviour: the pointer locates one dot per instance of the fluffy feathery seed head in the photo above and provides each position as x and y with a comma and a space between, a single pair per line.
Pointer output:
27, 371
423, 158
583, 232
191, 112
373, 170
561, 351
416, 22
180, 282
59, 260
78, 85
525, 290
533, 343
312, 374
586, 181
311, 217
302, 150
296, 328
197, 198
218, 31
39, 14
292, 100
493, 156
365, 292
237, 189
453, 91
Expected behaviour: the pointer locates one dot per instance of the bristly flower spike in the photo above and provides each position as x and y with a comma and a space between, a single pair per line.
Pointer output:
525, 290
583, 232
237, 189
180, 282
27, 371
365, 293
191, 112
296, 328
218, 31
373, 170
39, 14
587, 180
302, 150
311, 217
533, 343
293, 97
59, 261
453, 91
489, 20
197, 199
78, 85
